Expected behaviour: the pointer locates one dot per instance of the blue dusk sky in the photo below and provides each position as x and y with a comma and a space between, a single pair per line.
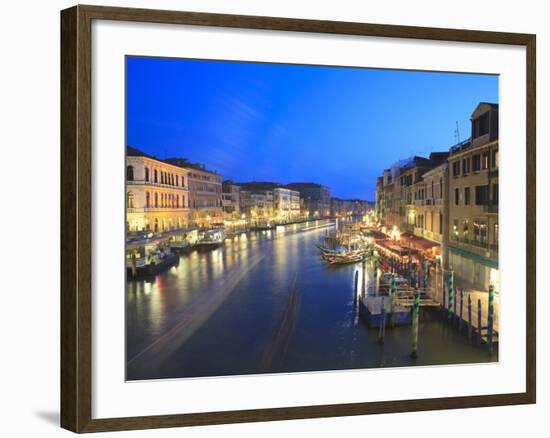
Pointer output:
286, 123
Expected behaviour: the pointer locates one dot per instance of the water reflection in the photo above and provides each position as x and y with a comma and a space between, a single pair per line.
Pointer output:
265, 302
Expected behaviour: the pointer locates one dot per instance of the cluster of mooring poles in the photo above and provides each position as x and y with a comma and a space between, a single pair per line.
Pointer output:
390, 298
452, 307
412, 273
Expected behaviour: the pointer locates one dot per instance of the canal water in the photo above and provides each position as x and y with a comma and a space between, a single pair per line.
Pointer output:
266, 302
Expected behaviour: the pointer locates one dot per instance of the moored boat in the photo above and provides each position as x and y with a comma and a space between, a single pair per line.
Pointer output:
182, 239
146, 257
211, 239
343, 256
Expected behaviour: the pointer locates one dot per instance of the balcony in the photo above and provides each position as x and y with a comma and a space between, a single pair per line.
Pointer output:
156, 184
474, 242
490, 208
156, 209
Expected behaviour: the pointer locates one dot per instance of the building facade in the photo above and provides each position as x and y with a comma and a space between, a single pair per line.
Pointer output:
157, 194
473, 202
205, 194
432, 205
316, 199
231, 200
349, 207
402, 194
286, 204
452, 198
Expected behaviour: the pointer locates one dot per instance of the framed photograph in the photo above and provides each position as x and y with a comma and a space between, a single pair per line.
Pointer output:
269, 218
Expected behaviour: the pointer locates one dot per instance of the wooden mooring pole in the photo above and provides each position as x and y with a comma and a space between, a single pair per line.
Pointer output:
382, 331
443, 295
490, 318
455, 314
479, 321
469, 316
393, 288
451, 289
356, 281
461, 308
415, 312
364, 277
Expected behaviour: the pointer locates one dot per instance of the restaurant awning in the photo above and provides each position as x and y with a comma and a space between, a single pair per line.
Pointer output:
417, 242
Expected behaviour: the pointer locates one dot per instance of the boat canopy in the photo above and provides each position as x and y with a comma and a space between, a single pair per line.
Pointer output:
136, 243
213, 232
179, 231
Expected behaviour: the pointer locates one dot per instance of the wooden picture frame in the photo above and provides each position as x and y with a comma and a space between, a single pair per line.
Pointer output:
76, 217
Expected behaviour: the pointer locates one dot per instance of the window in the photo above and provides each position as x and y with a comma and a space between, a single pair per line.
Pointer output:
156, 176
485, 160
457, 196
476, 163
456, 168
466, 195
465, 229
494, 158
130, 200
440, 188
495, 194
466, 166
129, 173
146, 174
482, 193
455, 228
147, 199
495, 234
481, 126
177, 180
480, 231
156, 199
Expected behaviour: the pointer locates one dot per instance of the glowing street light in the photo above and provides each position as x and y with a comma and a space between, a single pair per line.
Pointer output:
395, 234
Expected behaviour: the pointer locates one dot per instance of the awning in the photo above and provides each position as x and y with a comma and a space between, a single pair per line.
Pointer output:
417, 242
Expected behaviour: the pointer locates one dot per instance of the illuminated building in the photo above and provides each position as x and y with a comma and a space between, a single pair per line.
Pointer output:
205, 193
157, 194
473, 202
316, 198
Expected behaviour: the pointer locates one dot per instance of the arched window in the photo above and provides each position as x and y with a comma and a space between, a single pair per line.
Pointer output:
156, 223
147, 199
156, 176
130, 200
129, 173
146, 174
177, 180
156, 200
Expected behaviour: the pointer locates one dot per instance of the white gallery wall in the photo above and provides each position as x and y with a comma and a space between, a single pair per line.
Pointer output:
29, 285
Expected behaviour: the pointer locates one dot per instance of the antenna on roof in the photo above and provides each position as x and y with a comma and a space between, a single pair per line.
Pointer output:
457, 134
